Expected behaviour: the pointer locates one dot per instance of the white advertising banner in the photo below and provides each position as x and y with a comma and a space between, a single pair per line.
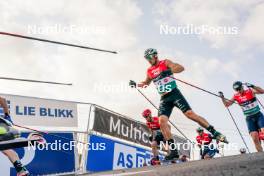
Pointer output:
125, 157
30, 111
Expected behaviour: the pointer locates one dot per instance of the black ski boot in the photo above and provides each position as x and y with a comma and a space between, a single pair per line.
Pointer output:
23, 172
173, 155
217, 135
220, 137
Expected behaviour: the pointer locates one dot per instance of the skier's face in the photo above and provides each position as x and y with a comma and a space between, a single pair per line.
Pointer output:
184, 158
153, 60
149, 118
200, 132
240, 90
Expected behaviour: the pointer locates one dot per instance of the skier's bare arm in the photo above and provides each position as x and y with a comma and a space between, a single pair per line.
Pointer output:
175, 67
258, 90
145, 83
228, 103
3, 104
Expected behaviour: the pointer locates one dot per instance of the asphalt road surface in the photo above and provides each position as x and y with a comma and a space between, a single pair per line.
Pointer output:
239, 165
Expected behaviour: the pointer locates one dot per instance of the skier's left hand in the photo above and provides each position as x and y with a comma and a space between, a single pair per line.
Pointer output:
249, 85
132, 84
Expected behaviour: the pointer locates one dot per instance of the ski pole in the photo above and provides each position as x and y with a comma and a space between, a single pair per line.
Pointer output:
36, 81
46, 133
169, 120
233, 119
194, 86
56, 42
260, 103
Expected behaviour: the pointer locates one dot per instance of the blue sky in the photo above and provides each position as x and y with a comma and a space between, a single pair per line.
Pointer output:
213, 62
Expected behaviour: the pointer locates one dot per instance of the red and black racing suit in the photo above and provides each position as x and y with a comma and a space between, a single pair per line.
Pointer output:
154, 125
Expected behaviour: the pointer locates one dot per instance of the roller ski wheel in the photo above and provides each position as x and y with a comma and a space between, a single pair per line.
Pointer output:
167, 162
24, 172
154, 162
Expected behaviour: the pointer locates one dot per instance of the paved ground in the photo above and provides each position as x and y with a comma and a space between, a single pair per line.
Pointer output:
240, 165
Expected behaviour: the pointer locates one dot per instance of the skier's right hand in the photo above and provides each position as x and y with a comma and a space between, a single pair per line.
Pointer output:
221, 94
249, 85
132, 84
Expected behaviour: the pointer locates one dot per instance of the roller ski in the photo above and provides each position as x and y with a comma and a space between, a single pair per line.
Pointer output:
155, 161
172, 158
23, 172
169, 161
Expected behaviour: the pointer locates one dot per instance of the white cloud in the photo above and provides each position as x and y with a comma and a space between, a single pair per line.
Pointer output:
242, 15
253, 30
36, 60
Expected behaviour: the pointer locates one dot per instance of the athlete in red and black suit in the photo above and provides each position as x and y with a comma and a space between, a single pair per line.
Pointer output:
161, 73
247, 100
205, 144
156, 135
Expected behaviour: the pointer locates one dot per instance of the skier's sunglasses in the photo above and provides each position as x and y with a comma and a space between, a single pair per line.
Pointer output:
237, 88
146, 116
149, 57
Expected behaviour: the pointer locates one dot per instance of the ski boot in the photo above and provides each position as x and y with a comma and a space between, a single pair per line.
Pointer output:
220, 137
173, 156
155, 161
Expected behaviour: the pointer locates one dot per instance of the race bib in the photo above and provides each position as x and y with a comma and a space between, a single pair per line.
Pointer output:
251, 108
166, 84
